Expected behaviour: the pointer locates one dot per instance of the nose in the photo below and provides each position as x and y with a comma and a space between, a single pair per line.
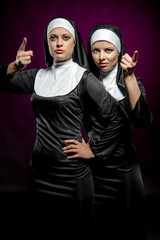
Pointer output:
101, 56
59, 42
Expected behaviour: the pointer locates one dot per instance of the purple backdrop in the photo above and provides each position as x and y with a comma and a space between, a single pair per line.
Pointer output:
139, 24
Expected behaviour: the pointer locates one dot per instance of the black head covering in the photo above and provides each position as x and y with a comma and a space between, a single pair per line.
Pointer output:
79, 53
93, 68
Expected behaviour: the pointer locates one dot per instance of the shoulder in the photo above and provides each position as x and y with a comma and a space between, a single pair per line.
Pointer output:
88, 78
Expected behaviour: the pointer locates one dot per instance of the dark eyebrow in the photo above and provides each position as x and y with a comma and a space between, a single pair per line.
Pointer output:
109, 48
53, 34
65, 34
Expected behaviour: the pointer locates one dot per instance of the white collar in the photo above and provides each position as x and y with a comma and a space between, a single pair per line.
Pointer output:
108, 78
58, 80
66, 63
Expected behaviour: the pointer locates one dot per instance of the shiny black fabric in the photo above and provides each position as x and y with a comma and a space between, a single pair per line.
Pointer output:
119, 190
68, 184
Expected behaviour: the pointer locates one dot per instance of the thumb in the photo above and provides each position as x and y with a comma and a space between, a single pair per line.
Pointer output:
83, 140
23, 45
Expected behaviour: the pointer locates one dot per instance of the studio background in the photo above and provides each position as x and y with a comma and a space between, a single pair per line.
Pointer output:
139, 23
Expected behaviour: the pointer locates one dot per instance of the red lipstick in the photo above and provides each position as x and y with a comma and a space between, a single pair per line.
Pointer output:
59, 51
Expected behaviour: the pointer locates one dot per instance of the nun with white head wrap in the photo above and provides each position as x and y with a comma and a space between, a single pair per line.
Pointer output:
119, 190
63, 94
115, 80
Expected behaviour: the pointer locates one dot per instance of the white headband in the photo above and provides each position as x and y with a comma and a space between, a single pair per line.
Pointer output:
106, 35
60, 22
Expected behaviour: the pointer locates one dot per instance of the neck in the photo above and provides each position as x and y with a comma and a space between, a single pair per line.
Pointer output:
62, 63
105, 73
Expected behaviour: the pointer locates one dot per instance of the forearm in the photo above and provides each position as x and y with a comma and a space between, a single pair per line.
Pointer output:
133, 89
141, 114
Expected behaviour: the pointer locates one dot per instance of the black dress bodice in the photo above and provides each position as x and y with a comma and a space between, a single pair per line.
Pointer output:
58, 118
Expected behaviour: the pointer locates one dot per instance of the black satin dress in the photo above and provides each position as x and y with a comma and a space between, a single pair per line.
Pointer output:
62, 189
119, 188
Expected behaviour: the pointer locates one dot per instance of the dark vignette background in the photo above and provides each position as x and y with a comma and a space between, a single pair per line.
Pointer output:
140, 25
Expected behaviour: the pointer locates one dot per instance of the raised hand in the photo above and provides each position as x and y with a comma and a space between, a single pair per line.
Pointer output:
81, 149
128, 63
23, 57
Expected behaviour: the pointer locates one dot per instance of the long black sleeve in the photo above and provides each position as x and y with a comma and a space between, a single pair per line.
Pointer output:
104, 119
19, 83
141, 114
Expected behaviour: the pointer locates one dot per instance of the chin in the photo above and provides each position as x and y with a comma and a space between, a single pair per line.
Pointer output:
104, 68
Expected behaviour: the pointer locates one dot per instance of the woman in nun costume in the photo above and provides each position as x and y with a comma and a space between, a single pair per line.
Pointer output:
120, 81
119, 189
62, 189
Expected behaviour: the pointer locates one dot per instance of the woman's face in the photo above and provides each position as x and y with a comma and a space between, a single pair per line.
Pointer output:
104, 54
61, 44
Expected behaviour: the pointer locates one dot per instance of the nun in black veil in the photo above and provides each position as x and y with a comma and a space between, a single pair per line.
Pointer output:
120, 186
62, 189
118, 183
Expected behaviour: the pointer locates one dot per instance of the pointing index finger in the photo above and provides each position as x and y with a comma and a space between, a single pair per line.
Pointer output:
135, 56
23, 44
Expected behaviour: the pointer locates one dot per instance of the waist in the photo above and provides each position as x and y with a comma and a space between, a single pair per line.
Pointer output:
52, 161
